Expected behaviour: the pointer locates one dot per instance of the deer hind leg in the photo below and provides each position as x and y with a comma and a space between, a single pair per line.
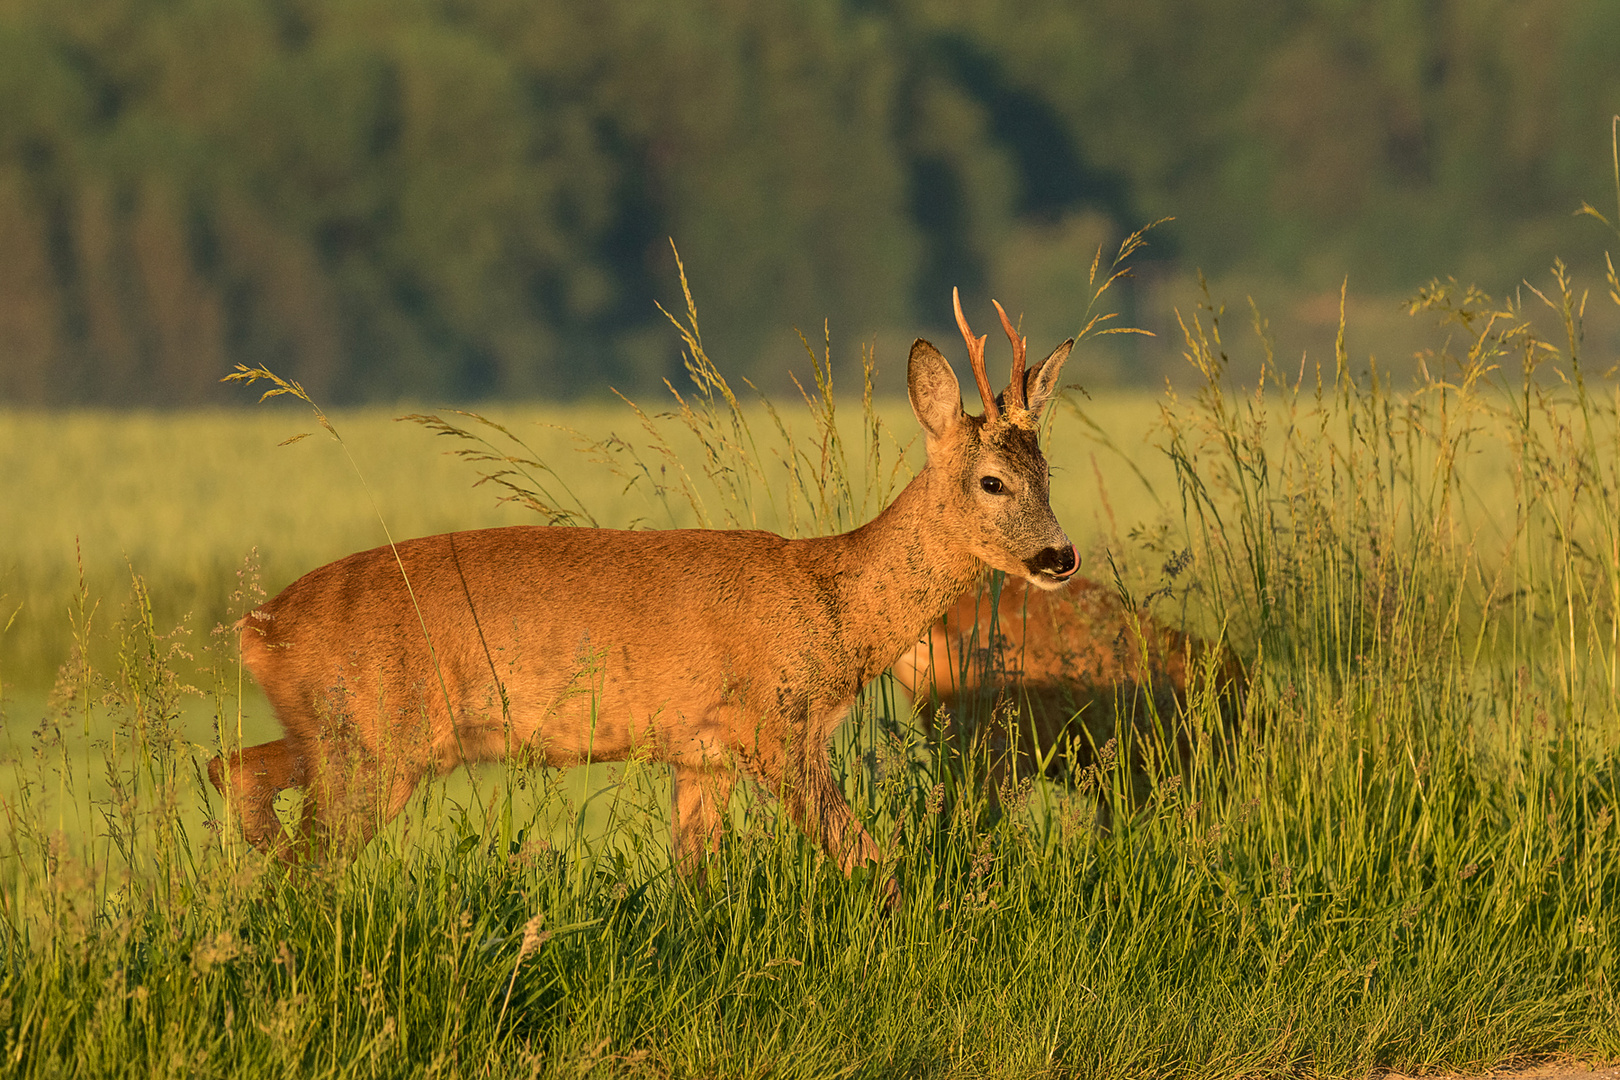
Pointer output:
250, 782
367, 747
353, 793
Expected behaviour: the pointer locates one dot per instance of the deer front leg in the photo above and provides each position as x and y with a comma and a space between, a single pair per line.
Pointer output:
700, 798
801, 779
817, 805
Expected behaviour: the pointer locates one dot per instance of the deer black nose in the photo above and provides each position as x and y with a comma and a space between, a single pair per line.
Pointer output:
1055, 562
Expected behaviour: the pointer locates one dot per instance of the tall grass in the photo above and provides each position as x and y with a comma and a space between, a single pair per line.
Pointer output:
1405, 857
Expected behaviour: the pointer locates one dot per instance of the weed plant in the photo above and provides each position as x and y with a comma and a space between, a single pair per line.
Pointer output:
1405, 856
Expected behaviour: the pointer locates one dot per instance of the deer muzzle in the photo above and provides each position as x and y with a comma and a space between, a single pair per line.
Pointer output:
1054, 565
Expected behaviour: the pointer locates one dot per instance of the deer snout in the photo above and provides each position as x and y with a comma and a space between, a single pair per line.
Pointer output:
1053, 566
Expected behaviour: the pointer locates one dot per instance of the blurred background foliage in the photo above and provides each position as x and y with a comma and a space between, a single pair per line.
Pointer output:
464, 199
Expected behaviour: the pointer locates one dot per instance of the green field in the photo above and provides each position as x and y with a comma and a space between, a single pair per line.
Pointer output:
1405, 857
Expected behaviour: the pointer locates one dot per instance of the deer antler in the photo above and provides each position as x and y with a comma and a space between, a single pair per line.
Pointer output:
1015, 389
975, 347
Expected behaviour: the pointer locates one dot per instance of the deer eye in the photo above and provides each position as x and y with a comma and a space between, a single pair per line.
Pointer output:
991, 484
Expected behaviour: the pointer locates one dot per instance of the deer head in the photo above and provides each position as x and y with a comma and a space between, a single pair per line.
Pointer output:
992, 480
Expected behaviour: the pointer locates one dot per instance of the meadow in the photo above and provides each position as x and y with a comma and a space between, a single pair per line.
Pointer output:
1405, 856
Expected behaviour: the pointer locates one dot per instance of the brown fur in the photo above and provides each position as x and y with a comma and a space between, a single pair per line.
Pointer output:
719, 652
1068, 667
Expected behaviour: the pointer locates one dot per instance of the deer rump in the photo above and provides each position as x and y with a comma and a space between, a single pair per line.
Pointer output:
1038, 682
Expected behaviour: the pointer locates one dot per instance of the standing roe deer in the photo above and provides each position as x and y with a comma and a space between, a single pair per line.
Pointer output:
710, 650
1067, 668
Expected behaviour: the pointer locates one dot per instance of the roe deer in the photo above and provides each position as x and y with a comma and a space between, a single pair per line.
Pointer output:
1067, 668
717, 652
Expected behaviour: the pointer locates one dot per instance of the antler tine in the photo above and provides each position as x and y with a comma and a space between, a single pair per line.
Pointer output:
975, 347
1015, 389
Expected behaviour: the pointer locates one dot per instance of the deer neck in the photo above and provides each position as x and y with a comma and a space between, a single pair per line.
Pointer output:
901, 570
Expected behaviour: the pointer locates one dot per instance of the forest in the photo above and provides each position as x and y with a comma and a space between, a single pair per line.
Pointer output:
477, 199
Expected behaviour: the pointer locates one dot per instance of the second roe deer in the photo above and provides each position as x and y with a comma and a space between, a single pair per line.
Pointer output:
1038, 680
717, 652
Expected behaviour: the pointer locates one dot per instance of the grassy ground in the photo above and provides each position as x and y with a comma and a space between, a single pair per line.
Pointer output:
1406, 857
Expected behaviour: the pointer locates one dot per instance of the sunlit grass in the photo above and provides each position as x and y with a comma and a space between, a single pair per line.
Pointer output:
1406, 856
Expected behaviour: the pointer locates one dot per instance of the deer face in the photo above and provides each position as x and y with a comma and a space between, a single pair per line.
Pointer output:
993, 472
1006, 488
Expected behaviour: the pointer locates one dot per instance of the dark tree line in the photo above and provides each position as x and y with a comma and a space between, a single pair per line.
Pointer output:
468, 198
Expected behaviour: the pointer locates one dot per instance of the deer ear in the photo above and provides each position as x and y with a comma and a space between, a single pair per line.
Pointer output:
936, 397
1041, 382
